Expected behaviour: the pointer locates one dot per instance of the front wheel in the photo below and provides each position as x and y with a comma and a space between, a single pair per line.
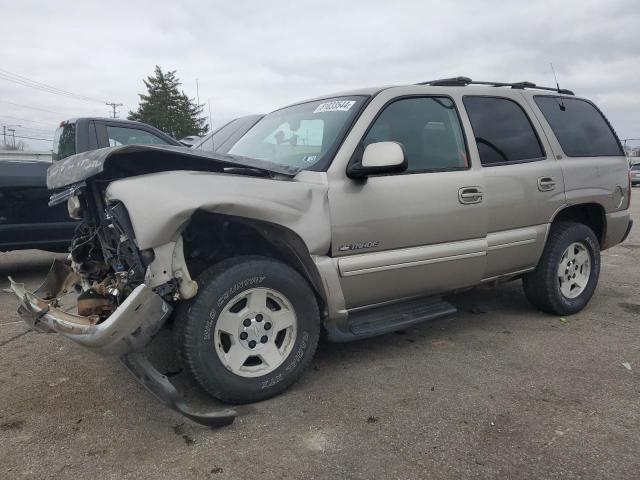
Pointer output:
568, 272
251, 331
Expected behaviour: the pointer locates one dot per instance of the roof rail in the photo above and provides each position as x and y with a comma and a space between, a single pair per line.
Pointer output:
464, 81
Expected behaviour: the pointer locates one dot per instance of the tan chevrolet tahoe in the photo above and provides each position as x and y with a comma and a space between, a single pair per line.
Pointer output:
347, 214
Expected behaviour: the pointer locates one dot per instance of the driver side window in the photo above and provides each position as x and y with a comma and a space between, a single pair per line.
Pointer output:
429, 130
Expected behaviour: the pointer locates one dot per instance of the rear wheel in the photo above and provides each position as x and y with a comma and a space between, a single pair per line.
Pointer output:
251, 331
568, 272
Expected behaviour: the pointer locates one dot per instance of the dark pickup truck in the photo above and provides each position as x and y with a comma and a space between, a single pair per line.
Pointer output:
26, 220
83, 134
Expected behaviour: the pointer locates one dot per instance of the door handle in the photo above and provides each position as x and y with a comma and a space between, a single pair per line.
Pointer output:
546, 184
469, 195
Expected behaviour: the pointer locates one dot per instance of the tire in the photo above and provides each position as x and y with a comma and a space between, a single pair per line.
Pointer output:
204, 345
544, 287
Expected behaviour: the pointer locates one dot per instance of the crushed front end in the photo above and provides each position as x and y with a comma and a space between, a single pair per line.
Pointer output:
105, 296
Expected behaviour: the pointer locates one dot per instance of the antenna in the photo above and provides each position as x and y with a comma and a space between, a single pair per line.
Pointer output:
562, 107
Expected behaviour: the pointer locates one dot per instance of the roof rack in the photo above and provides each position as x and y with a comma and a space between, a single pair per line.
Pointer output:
464, 81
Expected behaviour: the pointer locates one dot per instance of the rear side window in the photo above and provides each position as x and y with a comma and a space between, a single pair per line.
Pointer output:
579, 127
429, 130
502, 130
64, 141
132, 136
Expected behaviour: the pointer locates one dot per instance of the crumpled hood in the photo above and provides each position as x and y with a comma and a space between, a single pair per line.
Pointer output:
160, 204
131, 160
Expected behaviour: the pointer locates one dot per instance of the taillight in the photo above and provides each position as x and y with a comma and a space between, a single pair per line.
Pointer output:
629, 194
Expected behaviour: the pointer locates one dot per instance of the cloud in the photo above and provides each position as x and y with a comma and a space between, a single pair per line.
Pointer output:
257, 56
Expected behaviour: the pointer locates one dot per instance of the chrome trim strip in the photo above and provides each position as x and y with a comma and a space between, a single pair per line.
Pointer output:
410, 257
513, 236
511, 244
411, 264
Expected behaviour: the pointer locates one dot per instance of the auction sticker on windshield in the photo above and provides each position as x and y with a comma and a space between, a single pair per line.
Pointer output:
335, 106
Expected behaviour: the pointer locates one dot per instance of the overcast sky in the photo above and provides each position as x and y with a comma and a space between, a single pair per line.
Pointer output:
252, 56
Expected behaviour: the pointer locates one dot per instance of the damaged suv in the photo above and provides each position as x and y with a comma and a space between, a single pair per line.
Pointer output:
347, 215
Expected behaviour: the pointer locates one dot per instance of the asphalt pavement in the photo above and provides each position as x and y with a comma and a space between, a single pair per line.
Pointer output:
498, 391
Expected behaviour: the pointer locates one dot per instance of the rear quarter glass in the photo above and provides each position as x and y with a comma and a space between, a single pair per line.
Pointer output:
580, 127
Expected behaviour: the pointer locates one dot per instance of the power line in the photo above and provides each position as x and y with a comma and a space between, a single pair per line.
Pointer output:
27, 82
34, 138
31, 127
27, 120
56, 113
36, 131
32, 108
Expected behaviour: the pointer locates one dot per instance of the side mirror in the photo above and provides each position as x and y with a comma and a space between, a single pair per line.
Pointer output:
379, 158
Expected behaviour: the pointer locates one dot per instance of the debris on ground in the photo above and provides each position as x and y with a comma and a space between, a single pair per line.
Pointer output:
476, 311
12, 425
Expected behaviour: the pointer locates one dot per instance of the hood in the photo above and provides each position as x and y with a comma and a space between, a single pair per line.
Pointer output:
132, 160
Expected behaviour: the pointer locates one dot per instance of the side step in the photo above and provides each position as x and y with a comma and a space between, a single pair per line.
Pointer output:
390, 318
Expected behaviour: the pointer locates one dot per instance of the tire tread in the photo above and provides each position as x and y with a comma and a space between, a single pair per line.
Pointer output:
186, 328
540, 285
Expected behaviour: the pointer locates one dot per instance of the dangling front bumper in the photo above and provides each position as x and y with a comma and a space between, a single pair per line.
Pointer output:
128, 329
124, 333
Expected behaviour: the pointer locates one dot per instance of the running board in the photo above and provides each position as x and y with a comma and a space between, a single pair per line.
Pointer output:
390, 318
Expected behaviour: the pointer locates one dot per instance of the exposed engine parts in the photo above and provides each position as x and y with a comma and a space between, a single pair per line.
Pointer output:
107, 260
92, 303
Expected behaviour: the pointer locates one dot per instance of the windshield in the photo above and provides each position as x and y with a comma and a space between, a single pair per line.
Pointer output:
635, 167
302, 135
64, 141
222, 139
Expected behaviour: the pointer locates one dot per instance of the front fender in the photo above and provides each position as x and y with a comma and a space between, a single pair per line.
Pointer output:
161, 204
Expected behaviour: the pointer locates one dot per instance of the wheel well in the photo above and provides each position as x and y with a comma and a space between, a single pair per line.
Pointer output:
210, 238
590, 214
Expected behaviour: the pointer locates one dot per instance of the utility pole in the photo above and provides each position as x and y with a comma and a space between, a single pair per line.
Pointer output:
114, 105
13, 136
4, 133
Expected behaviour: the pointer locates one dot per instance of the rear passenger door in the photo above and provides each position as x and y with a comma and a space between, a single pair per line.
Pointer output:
523, 180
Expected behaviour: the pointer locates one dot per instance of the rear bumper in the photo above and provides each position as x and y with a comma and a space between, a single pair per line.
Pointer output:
128, 329
626, 234
618, 227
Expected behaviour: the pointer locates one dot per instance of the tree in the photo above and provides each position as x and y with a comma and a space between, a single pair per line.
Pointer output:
168, 108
